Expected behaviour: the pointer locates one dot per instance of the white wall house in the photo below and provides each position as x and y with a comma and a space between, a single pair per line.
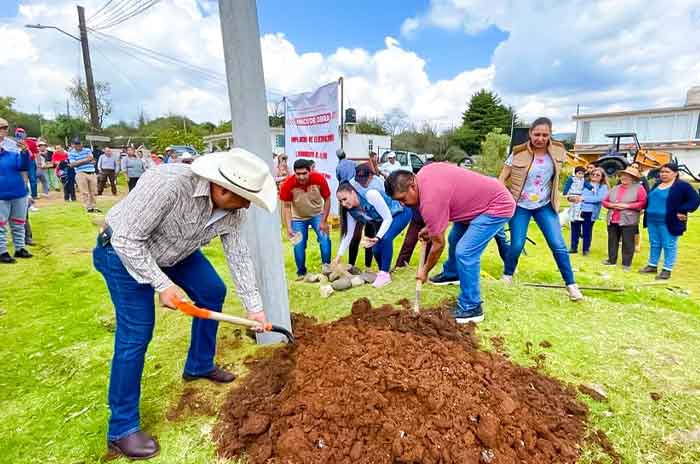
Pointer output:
675, 129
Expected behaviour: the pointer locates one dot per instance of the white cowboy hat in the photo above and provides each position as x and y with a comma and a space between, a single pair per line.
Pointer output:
240, 172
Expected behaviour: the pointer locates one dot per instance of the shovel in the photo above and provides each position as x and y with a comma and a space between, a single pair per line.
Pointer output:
201, 313
419, 284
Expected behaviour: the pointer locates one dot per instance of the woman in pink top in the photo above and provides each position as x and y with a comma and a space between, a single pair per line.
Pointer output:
625, 203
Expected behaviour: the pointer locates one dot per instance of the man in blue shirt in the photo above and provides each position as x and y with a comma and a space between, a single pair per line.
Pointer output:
83, 162
346, 168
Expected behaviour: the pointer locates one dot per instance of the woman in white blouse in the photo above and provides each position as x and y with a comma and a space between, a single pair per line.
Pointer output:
372, 205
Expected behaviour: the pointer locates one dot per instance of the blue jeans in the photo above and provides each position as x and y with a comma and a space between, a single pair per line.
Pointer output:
383, 250
13, 213
31, 174
466, 244
548, 222
661, 239
324, 241
135, 315
449, 268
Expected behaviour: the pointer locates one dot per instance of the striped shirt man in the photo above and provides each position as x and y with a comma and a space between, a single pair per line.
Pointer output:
76, 156
169, 217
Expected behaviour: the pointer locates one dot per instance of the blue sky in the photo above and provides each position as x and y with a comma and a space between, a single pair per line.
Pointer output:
323, 26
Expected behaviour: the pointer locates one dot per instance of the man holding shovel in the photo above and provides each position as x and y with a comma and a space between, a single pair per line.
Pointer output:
477, 205
151, 243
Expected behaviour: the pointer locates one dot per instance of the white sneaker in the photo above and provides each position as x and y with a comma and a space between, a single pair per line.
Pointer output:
326, 269
574, 293
507, 279
33, 209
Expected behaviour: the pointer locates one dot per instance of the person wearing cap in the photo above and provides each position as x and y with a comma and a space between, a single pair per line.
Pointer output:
14, 160
21, 135
83, 162
167, 154
364, 180
390, 166
139, 254
345, 170
625, 203
108, 168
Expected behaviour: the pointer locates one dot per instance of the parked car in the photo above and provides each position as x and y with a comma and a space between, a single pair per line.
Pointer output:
408, 160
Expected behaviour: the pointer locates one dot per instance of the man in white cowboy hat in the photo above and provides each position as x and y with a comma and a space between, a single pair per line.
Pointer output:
151, 243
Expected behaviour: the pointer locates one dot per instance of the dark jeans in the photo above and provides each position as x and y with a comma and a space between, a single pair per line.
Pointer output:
135, 315
384, 249
548, 222
132, 182
370, 230
582, 228
411, 240
68, 182
617, 233
103, 177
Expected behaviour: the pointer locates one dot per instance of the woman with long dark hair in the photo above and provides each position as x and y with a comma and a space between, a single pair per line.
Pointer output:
666, 218
371, 206
531, 173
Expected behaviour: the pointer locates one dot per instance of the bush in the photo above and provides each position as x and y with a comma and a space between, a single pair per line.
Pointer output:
176, 137
494, 150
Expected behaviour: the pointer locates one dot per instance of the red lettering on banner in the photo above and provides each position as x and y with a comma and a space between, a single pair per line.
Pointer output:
314, 120
312, 154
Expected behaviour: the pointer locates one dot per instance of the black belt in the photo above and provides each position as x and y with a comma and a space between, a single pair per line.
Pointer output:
105, 236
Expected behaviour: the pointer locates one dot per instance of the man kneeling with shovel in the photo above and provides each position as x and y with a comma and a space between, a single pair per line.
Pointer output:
151, 242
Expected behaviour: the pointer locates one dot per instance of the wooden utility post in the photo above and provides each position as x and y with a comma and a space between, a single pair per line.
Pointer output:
251, 131
89, 80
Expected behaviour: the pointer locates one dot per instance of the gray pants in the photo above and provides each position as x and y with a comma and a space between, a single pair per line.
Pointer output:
14, 213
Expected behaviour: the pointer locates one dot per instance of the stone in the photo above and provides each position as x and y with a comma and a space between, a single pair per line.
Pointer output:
357, 281
368, 277
311, 278
595, 391
342, 284
326, 290
323, 279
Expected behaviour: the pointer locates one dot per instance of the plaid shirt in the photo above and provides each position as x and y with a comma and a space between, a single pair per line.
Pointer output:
169, 216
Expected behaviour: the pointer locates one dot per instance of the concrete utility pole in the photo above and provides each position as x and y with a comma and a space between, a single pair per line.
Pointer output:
89, 81
251, 131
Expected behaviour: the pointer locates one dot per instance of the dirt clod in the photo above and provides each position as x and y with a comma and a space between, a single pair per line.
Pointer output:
656, 396
384, 386
545, 344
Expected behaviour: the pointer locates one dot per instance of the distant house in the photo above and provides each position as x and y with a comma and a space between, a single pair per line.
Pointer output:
356, 146
674, 129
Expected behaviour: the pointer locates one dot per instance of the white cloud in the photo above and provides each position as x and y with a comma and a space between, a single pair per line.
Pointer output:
604, 55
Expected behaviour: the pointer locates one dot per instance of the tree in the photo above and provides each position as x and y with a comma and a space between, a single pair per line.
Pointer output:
371, 126
61, 129
168, 137
395, 121
32, 123
494, 150
467, 139
79, 94
484, 113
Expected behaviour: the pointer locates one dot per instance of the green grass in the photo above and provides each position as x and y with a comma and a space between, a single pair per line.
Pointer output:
57, 327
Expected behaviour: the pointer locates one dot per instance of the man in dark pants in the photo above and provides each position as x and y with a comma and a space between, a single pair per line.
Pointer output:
108, 169
140, 254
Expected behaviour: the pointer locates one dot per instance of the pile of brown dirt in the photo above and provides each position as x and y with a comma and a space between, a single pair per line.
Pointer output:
385, 386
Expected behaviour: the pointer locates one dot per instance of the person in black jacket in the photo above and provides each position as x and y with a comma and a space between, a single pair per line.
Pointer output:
665, 218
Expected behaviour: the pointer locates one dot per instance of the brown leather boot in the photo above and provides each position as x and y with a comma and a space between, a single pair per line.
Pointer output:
218, 375
136, 446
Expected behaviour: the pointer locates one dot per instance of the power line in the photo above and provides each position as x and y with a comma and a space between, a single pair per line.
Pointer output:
129, 14
117, 9
100, 10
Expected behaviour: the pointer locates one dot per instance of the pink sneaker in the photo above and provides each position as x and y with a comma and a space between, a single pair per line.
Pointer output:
383, 278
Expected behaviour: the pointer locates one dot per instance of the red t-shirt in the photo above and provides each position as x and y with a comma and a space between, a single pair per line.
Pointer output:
307, 200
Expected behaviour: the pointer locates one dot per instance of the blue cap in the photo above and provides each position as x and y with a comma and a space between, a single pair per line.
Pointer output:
76, 140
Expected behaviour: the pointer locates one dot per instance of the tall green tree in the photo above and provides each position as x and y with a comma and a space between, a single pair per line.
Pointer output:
494, 150
61, 129
485, 112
